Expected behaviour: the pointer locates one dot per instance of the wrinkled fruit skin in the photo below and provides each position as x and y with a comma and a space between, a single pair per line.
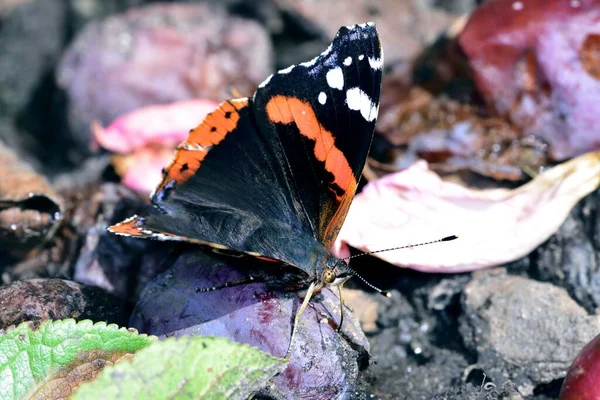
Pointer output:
324, 363
583, 379
535, 62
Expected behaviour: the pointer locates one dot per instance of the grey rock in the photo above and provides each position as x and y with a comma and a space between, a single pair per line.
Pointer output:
523, 330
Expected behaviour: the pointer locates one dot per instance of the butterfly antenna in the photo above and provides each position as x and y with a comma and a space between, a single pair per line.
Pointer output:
408, 246
383, 292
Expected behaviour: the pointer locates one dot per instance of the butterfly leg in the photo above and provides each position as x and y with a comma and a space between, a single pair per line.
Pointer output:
341, 303
241, 281
307, 297
339, 328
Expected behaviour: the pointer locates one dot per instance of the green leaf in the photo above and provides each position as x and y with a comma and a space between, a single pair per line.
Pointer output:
186, 368
52, 360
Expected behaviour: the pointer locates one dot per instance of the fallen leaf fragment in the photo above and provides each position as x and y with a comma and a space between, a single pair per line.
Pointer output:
365, 308
493, 226
453, 136
30, 210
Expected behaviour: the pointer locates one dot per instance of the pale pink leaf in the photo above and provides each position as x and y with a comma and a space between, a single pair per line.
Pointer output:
493, 226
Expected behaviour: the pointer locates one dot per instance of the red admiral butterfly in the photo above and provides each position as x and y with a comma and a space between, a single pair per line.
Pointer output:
273, 176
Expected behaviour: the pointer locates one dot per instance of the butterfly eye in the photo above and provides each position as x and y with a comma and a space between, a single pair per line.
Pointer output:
328, 275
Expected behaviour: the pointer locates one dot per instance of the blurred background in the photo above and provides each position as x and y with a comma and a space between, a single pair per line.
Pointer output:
488, 127
67, 63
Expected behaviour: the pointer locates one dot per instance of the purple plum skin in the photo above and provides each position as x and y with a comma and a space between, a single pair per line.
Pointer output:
324, 362
583, 379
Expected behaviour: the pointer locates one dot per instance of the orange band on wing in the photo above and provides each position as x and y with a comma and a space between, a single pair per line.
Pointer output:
285, 110
191, 152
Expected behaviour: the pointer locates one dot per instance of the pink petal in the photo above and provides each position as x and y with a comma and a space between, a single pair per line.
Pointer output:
163, 125
493, 226
142, 169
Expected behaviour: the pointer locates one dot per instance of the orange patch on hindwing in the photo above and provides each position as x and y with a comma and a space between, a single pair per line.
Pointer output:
285, 110
191, 152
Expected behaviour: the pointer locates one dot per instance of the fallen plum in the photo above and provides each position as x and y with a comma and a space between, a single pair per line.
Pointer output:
583, 379
158, 54
535, 61
324, 364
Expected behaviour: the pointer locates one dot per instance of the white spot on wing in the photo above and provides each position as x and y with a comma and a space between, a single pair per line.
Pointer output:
361, 57
358, 100
335, 78
322, 97
348, 61
165, 238
375, 63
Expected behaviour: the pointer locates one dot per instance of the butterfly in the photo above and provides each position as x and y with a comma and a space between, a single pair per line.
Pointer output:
273, 176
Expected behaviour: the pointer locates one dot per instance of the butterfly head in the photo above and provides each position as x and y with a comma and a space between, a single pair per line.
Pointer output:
337, 271
336, 274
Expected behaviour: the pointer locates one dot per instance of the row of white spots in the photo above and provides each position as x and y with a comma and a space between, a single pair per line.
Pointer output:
335, 78
358, 100
363, 25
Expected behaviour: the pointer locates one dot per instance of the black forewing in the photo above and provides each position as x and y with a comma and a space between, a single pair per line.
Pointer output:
240, 198
356, 53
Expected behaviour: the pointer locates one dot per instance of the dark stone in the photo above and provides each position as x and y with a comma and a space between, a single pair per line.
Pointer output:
38, 300
32, 36
570, 257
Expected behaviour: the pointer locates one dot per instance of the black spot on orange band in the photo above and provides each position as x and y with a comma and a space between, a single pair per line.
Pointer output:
191, 152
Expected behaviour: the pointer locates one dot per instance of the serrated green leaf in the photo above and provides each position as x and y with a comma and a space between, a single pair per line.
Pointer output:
186, 368
54, 359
